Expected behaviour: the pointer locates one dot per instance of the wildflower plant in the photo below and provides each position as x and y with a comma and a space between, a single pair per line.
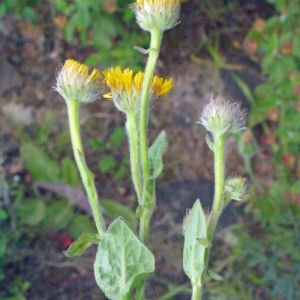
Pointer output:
123, 260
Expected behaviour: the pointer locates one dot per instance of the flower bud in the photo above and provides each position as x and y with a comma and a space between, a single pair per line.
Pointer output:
235, 188
74, 83
223, 117
156, 14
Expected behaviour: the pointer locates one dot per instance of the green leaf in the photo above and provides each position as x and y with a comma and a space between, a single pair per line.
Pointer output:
70, 172
70, 28
214, 275
39, 164
97, 144
79, 246
115, 209
87, 173
243, 87
156, 151
81, 224
3, 214
204, 242
107, 163
83, 18
121, 261
193, 251
134, 282
31, 211
58, 216
61, 5
117, 137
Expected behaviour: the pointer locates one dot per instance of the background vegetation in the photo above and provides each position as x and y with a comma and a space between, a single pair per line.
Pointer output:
262, 258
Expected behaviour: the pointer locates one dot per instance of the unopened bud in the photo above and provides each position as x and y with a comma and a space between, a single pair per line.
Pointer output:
223, 117
156, 14
235, 188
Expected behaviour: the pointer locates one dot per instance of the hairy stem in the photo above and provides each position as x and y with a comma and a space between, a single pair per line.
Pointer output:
147, 197
86, 175
132, 130
219, 169
197, 292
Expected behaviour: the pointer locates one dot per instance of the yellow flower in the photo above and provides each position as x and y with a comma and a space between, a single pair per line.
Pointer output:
126, 88
159, 14
74, 83
161, 86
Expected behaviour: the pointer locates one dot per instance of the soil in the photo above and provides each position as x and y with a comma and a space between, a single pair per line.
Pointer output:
30, 56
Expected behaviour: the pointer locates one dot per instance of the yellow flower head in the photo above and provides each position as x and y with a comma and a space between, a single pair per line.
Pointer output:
160, 14
126, 88
74, 82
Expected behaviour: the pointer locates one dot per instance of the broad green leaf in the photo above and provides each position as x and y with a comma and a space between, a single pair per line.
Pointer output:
121, 260
31, 211
115, 209
79, 246
193, 251
39, 164
70, 174
81, 224
156, 151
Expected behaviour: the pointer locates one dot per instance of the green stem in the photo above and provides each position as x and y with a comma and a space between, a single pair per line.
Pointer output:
219, 169
197, 292
145, 223
86, 175
132, 130
148, 196
156, 36
140, 292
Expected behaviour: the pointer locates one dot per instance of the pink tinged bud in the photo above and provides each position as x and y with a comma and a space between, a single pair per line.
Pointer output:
223, 117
